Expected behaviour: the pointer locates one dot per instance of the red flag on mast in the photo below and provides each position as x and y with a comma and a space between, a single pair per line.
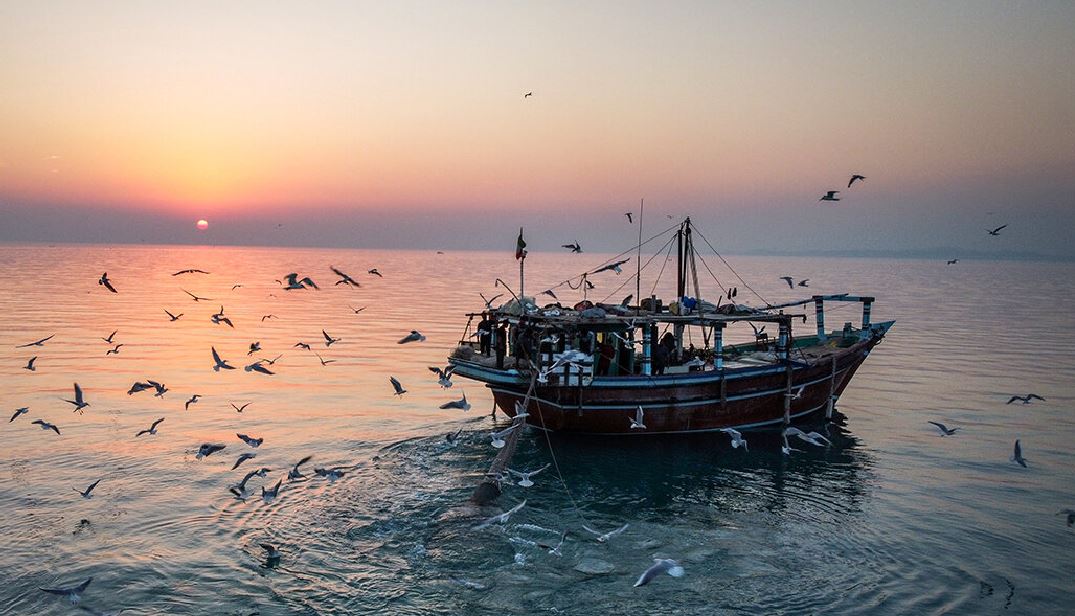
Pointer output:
520, 246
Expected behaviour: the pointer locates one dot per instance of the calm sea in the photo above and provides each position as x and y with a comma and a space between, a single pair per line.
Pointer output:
892, 519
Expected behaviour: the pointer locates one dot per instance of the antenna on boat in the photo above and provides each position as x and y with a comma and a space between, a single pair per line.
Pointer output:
638, 261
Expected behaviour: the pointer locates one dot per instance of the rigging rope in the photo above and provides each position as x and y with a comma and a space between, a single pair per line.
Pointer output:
728, 265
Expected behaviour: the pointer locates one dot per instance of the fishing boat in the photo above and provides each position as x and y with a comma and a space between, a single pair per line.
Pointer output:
634, 368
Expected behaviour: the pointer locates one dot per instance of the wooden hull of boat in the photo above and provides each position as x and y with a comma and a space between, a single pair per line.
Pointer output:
696, 402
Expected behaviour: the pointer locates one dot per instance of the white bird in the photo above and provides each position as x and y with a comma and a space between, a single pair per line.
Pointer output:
785, 448
253, 442
499, 519
414, 336
19, 411
660, 565
152, 430
520, 411
603, 537
295, 473
637, 422
1017, 454
88, 492
73, 593
79, 402
444, 375
945, 431
809, 437
220, 363
329, 339
45, 425
30, 364
397, 386
269, 495
460, 404
498, 437
208, 449
737, 438
524, 477
555, 550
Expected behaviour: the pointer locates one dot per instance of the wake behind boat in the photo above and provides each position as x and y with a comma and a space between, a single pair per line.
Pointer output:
624, 369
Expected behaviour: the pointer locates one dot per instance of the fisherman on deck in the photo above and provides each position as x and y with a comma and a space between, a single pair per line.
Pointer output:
485, 330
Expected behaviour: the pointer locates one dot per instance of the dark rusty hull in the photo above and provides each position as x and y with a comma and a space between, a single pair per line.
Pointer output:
750, 399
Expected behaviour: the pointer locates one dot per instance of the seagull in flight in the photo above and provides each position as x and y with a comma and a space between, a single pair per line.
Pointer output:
114, 350
152, 429
549, 293
79, 402
329, 339
444, 376
1017, 454
73, 593
945, 430
332, 474
243, 458
855, 178
414, 336
160, 387
630, 220
397, 386
830, 196
489, 302
637, 422
524, 477
555, 550
953, 261
294, 473
528, 94
110, 337
258, 367
172, 317
301, 345
293, 282
106, 283
272, 361
239, 489
356, 310
802, 283
500, 519
208, 449
269, 495
268, 316
574, 247
254, 348
189, 271
219, 318
498, 437
995, 231
19, 411
603, 537
810, 437
220, 363
344, 278
88, 492
659, 566
737, 438
789, 280
324, 362
45, 425
137, 387
612, 266
460, 404
253, 442
196, 298
239, 409
375, 273
30, 364
1025, 399
36, 342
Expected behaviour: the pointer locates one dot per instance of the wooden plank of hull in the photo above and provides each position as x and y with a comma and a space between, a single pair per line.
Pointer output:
748, 403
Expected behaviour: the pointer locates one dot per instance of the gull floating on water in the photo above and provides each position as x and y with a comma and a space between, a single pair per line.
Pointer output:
460, 404
945, 431
19, 411
253, 442
498, 437
106, 283
220, 363
660, 565
36, 342
637, 422
239, 409
737, 438
271, 553
79, 402
524, 477
329, 339
243, 458
293, 282
414, 336
208, 449
193, 400
88, 492
1025, 399
30, 364
46, 425
603, 537
1017, 454
152, 429
499, 519
172, 317
294, 473
397, 386
344, 278
73, 593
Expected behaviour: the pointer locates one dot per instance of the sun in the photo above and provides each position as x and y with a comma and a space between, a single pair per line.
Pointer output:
202, 224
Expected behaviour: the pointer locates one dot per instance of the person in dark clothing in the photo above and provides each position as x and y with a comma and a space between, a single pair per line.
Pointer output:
485, 330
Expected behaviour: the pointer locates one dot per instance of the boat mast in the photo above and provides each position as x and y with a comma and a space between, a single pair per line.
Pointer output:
638, 257
681, 283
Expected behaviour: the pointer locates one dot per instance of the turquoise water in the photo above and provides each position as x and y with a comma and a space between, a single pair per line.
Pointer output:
892, 519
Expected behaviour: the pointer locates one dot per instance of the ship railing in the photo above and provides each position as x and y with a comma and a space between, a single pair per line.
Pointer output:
819, 308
